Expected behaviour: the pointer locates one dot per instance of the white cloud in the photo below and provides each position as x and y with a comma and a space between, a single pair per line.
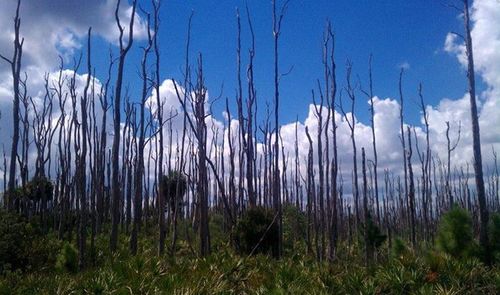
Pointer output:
51, 27
486, 36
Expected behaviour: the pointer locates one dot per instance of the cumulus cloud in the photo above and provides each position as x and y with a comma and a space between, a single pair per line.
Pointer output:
64, 33
51, 27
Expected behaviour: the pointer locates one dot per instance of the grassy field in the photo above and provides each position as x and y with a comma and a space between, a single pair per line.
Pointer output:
51, 268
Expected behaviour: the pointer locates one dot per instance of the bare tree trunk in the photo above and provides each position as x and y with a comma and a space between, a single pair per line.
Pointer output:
450, 149
15, 64
310, 189
352, 125
402, 135
374, 142
478, 164
319, 115
82, 169
368, 244
411, 193
115, 181
335, 166
277, 19
249, 130
139, 164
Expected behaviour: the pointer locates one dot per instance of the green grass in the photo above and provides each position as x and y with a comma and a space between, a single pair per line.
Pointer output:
226, 272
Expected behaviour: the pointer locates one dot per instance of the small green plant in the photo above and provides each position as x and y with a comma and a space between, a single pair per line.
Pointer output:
67, 260
257, 229
455, 235
399, 248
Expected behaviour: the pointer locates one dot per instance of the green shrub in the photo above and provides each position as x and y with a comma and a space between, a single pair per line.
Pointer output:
494, 233
399, 248
16, 236
375, 236
455, 235
294, 226
67, 260
39, 188
169, 185
256, 224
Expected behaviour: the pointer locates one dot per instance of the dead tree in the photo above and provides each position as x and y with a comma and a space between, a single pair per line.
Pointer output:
350, 89
277, 19
115, 181
478, 164
139, 164
319, 115
402, 134
370, 96
426, 166
310, 189
250, 104
82, 164
326, 68
335, 164
160, 202
368, 244
230, 139
15, 65
450, 148
25, 137
411, 192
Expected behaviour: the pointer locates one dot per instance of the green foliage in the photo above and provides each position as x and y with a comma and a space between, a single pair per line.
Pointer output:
15, 241
375, 236
399, 248
228, 272
218, 235
455, 235
67, 260
257, 229
174, 182
294, 227
494, 233
225, 272
39, 188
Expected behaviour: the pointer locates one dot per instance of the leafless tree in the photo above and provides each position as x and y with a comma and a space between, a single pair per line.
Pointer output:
478, 164
277, 20
115, 181
15, 65
450, 148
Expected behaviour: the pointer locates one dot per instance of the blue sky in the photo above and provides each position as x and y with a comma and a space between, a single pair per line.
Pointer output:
395, 32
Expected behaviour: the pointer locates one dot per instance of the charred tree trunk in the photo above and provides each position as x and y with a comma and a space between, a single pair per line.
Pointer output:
15, 65
478, 164
115, 181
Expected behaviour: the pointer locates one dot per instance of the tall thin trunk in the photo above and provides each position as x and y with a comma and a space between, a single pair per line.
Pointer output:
15, 64
478, 164
115, 181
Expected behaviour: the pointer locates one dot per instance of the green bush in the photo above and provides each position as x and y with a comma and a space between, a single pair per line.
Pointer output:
169, 185
294, 226
455, 235
399, 248
39, 188
67, 260
375, 236
16, 236
494, 232
256, 224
